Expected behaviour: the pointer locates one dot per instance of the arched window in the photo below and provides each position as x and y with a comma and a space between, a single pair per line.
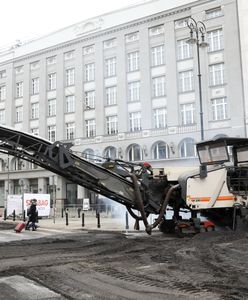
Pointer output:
219, 136
88, 154
3, 165
110, 152
160, 150
32, 166
134, 152
18, 164
187, 148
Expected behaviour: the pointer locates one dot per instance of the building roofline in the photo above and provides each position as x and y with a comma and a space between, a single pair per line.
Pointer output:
18, 53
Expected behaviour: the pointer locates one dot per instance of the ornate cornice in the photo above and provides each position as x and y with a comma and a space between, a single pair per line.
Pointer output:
97, 35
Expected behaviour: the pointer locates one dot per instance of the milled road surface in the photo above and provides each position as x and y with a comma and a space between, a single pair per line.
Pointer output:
112, 265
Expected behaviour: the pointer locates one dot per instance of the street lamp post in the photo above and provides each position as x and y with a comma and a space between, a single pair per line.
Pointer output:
197, 37
8, 186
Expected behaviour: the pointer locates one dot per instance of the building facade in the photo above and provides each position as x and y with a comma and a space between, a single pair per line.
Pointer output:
124, 85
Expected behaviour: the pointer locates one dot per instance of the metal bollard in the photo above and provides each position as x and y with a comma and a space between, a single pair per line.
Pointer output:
98, 220
62, 212
5, 214
127, 224
79, 212
24, 216
66, 219
14, 215
82, 219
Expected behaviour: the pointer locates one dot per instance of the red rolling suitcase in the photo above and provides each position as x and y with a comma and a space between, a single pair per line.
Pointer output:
19, 227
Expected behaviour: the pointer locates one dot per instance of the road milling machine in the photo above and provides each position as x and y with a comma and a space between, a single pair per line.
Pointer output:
217, 189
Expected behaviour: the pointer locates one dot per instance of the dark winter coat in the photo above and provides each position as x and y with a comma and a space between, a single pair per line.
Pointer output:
32, 213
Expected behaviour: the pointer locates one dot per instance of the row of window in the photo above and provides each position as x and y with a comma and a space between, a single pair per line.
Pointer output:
185, 84
134, 152
219, 111
130, 37
209, 14
187, 112
184, 51
218, 105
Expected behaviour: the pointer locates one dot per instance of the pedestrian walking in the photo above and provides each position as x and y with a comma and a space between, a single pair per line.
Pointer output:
32, 215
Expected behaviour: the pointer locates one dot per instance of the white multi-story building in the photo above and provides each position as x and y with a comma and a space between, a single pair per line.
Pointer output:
125, 85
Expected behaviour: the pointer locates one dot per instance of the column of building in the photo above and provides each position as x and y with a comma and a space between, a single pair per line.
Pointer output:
145, 92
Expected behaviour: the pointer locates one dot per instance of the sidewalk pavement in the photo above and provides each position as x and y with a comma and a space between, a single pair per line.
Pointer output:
48, 227
107, 223
90, 223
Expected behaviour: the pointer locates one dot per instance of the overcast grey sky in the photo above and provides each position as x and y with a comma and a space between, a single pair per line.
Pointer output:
27, 19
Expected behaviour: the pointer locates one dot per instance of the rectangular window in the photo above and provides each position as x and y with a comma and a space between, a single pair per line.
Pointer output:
19, 114
51, 60
90, 97
111, 95
2, 92
89, 70
51, 107
70, 103
160, 117
158, 86
52, 78
219, 109
214, 13
69, 55
51, 130
188, 113
70, 131
157, 55
216, 74
35, 86
112, 125
133, 61
70, 77
88, 49
109, 43
3, 74
34, 65
134, 91
215, 40
2, 116
90, 126
156, 30
110, 67
181, 23
186, 81
184, 50
35, 110
19, 70
19, 89
132, 37
135, 121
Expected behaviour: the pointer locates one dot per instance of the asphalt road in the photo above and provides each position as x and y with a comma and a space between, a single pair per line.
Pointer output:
111, 265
